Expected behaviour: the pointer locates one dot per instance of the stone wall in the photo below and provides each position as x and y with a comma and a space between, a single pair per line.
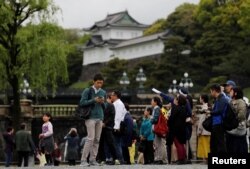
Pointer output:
88, 71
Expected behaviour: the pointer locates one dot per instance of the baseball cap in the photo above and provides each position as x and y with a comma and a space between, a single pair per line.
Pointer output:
230, 82
183, 91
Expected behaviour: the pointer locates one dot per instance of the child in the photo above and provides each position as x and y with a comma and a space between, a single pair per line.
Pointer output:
72, 148
147, 137
46, 138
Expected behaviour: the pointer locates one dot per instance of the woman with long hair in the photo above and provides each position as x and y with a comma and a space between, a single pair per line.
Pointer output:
236, 139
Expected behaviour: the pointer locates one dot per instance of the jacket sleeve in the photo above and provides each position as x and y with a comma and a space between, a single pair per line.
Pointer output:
84, 98
111, 109
147, 131
189, 109
242, 109
32, 145
50, 131
219, 107
167, 97
155, 118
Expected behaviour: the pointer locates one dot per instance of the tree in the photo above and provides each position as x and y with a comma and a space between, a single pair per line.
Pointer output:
113, 72
75, 42
224, 36
158, 26
36, 52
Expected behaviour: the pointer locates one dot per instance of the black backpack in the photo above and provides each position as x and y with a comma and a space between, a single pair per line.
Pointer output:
230, 119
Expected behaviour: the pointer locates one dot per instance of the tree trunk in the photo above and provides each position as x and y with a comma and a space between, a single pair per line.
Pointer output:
16, 110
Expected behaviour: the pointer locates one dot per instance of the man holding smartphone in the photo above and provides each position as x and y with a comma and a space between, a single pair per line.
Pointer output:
94, 123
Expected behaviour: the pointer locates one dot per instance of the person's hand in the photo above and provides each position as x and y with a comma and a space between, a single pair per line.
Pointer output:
103, 125
41, 136
99, 99
142, 138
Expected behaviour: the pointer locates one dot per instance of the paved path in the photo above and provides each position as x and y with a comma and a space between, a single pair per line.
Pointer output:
190, 166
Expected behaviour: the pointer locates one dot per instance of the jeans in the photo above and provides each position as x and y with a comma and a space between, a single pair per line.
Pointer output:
8, 158
118, 144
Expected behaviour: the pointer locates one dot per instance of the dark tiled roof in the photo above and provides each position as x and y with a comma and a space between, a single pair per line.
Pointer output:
118, 19
96, 40
143, 39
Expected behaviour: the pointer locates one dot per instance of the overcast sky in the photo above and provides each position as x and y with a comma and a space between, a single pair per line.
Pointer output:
83, 13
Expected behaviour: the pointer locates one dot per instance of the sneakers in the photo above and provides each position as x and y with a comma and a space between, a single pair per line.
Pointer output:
117, 162
94, 163
102, 163
84, 164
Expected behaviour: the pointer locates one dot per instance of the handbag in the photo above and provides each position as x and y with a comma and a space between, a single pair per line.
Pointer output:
207, 123
83, 112
161, 127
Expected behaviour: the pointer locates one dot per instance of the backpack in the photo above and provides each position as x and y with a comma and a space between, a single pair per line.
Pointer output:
230, 119
161, 127
84, 112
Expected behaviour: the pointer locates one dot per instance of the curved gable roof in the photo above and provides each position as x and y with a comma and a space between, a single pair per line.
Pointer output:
117, 19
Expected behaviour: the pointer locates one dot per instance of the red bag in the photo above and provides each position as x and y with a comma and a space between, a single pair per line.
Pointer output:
161, 127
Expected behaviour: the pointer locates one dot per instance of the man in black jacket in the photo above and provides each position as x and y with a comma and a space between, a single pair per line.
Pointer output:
107, 136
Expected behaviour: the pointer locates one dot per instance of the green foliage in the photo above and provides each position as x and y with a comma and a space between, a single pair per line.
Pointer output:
113, 72
75, 42
214, 80
158, 26
218, 37
246, 92
43, 55
181, 21
37, 52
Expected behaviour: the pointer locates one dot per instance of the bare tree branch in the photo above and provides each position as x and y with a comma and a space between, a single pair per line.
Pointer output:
28, 13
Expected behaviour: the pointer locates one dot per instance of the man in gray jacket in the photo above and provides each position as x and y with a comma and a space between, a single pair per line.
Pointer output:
24, 145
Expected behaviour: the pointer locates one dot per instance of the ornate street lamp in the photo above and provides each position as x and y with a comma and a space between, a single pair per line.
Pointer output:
124, 81
141, 78
173, 87
25, 88
186, 82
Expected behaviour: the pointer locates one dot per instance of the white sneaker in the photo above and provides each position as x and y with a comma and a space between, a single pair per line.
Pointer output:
84, 164
117, 162
94, 163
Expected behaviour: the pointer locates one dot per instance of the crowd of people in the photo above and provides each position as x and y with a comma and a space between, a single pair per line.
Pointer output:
113, 136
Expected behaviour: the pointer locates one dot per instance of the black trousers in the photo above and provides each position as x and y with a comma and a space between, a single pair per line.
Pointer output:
23, 156
109, 139
148, 152
126, 157
217, 140
72, 162
236, 144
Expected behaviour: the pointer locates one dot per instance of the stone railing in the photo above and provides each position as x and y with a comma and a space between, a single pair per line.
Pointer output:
61, 110
68, 110
55, 110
